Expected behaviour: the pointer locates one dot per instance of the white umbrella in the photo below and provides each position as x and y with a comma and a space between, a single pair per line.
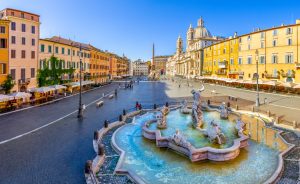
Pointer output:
4, 98
20, 95
57, 87
297, 86
41, 89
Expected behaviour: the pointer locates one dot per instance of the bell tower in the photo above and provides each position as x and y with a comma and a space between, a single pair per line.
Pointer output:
190, 37
179, 45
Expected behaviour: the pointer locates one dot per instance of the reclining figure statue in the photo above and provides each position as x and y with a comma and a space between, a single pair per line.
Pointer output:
215, 134
180, 140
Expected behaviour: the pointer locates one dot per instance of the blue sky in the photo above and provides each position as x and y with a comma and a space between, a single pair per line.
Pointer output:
131, 26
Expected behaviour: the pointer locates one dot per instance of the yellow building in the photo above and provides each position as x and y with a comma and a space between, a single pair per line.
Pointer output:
276, 50
4, 52
99, 65
68, 51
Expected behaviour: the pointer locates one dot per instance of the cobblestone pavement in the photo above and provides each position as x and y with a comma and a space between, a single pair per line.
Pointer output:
106, 173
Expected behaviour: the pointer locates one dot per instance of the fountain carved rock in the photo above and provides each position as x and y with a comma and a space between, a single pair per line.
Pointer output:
214, 133
161, 118
196, 108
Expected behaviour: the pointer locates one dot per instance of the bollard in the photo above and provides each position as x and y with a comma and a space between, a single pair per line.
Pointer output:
120, 117
269, 113
116, 92
154, 106
277, 120
208, 102
236, 107
88, 167
294, 124
124, 112
100, 149
105, 123
96, 135
228, 104
253, 109
167, 104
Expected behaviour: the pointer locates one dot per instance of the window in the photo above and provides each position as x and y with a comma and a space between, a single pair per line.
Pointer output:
249, 60
289, 30
240, 60
32, 54
22, 15
262, 35
13, 74
289, 58
289, 41
23, 54
13, 39
262, 44
3, 68
13, 26
249, 37
56, 50
73, 52
41, 64
224, 51
249, 46
32, 72
274, 59
240, 40
23, 74
231, 61
274, 43
23, 41
62, 50
13, 54
3, 43
33, 29
42, 48
275, 32
262, 59
12, 13
23, 28
49, 49
2, 29
33, 42
69, 51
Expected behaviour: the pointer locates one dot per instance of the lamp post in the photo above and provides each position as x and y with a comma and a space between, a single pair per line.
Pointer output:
80, 110
257, 76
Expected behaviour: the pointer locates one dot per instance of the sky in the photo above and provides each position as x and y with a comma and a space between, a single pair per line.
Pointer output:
130, 27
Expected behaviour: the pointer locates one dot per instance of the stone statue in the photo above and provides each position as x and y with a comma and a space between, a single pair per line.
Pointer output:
184, 109
196, 109
223, 111
215, 134
161, 118
240, 125
180, 140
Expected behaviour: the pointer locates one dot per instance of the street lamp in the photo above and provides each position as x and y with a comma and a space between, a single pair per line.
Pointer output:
80, 110
257, 76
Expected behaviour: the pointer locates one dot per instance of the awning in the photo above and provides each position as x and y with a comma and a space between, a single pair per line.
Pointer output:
57, 87
4, 98
19, 95
41, 89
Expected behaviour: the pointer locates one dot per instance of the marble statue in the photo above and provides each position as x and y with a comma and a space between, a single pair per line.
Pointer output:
184, 109
223, 111
215, 134
240, 125
180, 140
196, 108
161, 118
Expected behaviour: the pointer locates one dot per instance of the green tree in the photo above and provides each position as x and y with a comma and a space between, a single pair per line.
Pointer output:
52, 72
8, 84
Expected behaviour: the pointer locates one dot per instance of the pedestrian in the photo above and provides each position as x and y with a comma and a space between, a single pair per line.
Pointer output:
140, 106
179, 85
137, 105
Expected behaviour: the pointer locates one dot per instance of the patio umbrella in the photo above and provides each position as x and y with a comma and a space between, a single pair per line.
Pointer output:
41, 89
4, 98
287, 84
57, 87
297, 86
18, 95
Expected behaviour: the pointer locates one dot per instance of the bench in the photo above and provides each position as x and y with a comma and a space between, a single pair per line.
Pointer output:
111, 96
99, 104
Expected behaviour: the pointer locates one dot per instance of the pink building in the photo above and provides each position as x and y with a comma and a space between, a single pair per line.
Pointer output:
23, 47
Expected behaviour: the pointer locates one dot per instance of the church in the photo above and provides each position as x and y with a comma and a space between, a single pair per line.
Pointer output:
189, 63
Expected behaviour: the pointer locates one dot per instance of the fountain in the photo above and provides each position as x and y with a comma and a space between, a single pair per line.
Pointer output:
223, 111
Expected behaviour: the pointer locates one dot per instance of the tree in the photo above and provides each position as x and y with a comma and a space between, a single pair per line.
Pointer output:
8, 84
52, 72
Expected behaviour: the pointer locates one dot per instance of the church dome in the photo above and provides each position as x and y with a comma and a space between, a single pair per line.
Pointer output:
200, 31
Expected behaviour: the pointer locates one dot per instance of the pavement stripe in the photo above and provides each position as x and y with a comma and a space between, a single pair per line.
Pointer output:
292, 108
52, 122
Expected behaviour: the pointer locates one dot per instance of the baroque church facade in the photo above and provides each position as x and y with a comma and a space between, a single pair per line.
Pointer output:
189, 63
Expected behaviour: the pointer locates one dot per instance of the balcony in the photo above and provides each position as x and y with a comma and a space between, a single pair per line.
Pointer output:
206, 72
24, 81
221, 72
223, 64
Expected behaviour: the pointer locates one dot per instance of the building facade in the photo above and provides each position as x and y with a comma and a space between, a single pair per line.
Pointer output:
119, 66
24, 34
4, 51
274, 52
188, 63
99, 65
140, 68
159, 64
